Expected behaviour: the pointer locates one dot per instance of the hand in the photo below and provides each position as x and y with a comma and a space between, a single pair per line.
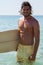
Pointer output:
32, 57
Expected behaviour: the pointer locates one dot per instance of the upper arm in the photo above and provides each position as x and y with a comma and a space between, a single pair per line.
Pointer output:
36, 31
18, 26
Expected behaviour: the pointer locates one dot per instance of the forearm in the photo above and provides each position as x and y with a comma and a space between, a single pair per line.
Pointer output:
36, 45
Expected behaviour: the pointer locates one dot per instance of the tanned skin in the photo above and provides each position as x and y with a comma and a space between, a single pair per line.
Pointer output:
28, 28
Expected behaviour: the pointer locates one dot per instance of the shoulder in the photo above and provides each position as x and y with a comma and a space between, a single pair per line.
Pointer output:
36, 25
35, 21
20, 19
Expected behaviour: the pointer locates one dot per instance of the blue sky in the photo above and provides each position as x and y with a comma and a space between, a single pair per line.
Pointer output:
12, 7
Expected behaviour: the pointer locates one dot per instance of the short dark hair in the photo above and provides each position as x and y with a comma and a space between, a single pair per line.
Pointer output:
26, 4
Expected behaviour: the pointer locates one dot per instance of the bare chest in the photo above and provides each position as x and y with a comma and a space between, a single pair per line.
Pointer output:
24, 25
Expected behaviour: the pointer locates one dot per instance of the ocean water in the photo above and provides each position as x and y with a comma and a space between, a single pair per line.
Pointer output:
11, 23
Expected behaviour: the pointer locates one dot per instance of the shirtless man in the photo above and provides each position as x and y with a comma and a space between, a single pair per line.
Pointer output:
29, 29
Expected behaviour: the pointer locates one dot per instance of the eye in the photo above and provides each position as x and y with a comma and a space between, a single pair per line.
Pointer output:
27, 9
23, 9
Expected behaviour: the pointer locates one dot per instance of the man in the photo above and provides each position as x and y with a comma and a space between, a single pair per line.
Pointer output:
29, 31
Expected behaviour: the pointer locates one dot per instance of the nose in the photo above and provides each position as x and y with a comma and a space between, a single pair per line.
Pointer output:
25, 11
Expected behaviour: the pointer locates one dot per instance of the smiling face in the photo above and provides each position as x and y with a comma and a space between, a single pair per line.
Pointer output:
26, 11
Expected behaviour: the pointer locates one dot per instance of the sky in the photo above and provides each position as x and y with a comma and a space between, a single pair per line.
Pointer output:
12, 7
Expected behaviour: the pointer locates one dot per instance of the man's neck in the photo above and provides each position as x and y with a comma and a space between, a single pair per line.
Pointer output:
27, 17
